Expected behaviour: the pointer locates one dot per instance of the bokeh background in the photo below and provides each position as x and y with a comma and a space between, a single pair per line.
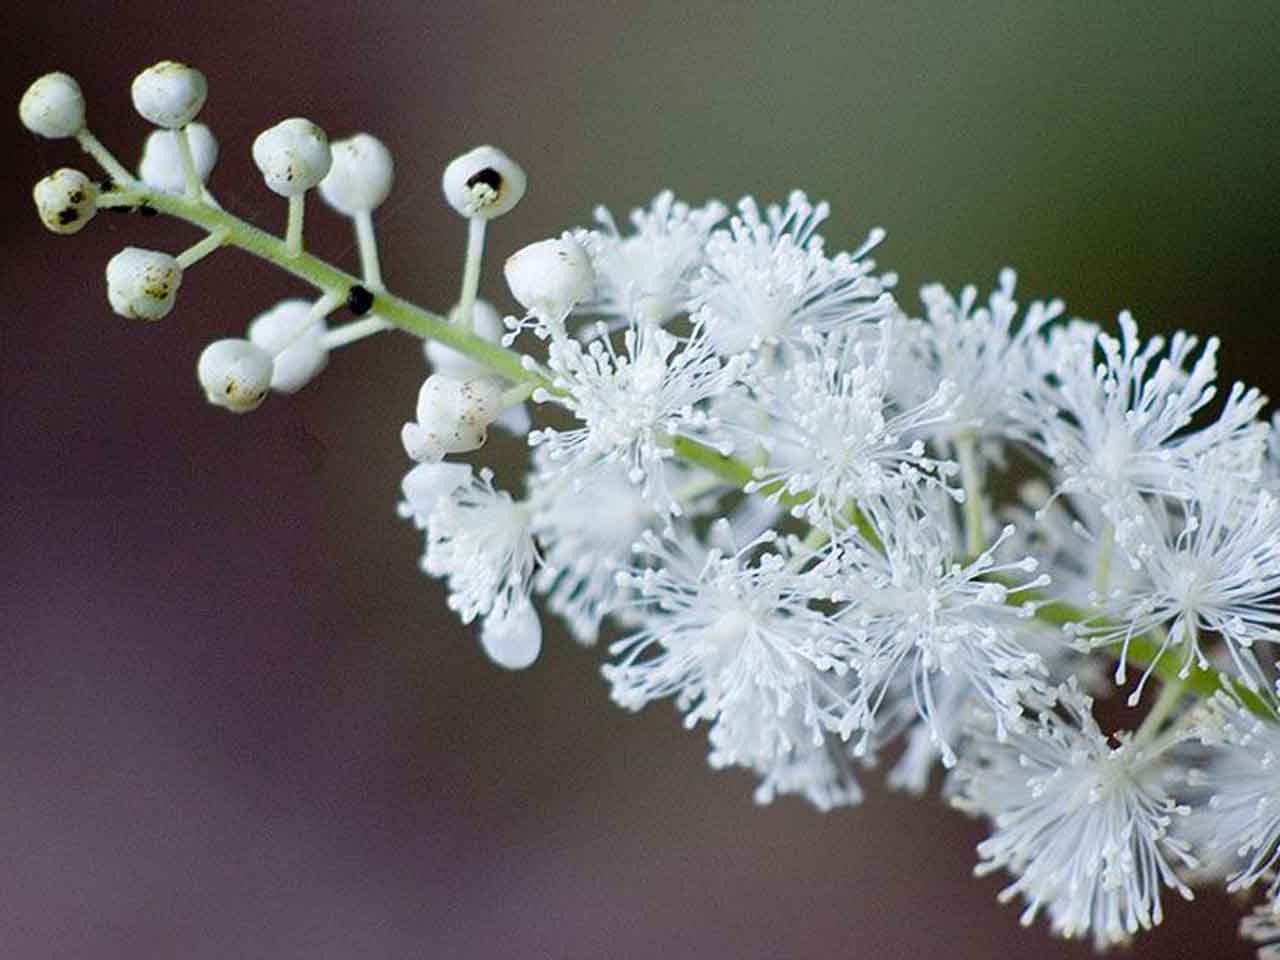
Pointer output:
234, 719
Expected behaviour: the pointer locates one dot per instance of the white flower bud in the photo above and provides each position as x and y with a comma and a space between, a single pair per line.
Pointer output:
486, 322
293, 156
453, 417
169, 94
426, 484
548, 277
142, 284
512, 635
361, 175
53, 107
66, 200
234, 374
483, 183
161, 165
296, 345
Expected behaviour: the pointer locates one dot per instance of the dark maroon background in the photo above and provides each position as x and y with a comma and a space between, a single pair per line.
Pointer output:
234, 719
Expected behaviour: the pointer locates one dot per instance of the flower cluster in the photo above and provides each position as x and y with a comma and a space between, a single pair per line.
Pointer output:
779, 494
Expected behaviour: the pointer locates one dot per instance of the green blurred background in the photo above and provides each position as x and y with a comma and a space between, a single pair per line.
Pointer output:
236, 722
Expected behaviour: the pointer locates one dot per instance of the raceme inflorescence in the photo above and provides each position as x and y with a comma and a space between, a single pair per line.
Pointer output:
795, 536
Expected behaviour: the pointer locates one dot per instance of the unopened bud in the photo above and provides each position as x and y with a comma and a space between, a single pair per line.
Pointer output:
53, 107
169, 94
142, 284
453, 417
161, 165
295, 342
293, 156
66, 200
361, 175
234, 374
548, 277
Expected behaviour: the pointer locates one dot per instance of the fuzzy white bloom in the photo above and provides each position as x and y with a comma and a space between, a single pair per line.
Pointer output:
767, 278
1117, 428
453, 417
1211, 567
645, 275
235, 374
295, 340
361, 175
479, 539
585, 549
633, 405
483, 183
169, 94
978, 349
53, 107
920, 620
1081, 821
833, 435
293, 156
1241, 824
733, 637
142, 284
65, 200
161, 164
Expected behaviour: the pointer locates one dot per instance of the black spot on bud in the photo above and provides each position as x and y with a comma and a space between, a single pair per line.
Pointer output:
147, 211
490, 177
68, 215
359, 300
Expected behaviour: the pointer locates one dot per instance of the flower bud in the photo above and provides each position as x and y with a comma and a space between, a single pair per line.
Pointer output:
142, 284
293, 156
486, 323
426, 484
53, 107
512, 635
161, 165
235, 374
169, 94
66, 200
548, 277
296, 345
360, 177
453, 417
483, 183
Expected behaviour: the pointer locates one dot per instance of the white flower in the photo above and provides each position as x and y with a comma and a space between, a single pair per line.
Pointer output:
918, 616
1211, 567
293, 156
235, 374
733, 638
585, 548
978, 349
360, 177
633, 405
483, 183
66, 200
479, 539
1116, 429
833, 434
169, 94
143, 284
1083, 824
1241, 822
645, 275
767, 278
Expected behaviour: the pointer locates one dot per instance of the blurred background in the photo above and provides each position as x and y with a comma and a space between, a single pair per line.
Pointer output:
235, 721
